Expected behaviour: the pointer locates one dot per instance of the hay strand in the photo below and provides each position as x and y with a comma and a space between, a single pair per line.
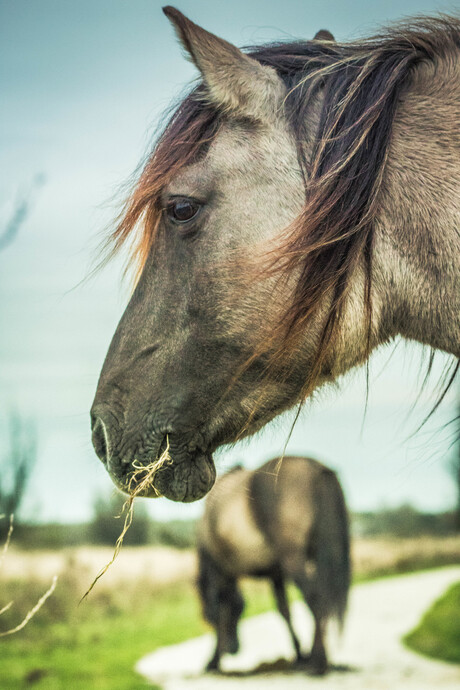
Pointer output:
141, 479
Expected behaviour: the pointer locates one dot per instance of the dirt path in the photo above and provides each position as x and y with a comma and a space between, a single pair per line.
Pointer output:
370, 652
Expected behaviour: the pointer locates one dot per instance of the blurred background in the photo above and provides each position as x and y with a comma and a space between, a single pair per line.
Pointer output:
83, 87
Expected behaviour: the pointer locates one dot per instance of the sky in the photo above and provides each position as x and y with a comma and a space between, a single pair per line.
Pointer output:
83, 86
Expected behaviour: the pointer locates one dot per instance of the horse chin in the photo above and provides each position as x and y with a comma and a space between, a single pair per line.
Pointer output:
187, 480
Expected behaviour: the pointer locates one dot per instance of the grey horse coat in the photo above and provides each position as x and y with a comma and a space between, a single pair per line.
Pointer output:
285, 521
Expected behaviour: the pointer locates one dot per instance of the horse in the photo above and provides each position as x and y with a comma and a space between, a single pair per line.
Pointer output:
284, 521
299, 210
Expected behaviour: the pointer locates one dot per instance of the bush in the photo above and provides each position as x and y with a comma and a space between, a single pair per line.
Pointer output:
177, 533
404, 521
50, 535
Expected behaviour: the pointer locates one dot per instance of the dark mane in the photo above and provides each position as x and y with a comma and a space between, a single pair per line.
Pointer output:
362, 83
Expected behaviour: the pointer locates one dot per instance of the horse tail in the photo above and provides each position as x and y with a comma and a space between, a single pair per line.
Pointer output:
332, 547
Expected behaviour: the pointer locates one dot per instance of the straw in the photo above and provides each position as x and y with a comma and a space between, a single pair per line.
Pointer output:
142, 478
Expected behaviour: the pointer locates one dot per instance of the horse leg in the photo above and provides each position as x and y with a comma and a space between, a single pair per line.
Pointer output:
294, 567
226, 632
283, 607
318, 660
317, 663
213, 663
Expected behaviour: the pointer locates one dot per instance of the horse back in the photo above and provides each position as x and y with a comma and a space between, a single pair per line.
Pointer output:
290, 496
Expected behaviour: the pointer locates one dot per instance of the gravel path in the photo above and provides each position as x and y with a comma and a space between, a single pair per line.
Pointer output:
369, 656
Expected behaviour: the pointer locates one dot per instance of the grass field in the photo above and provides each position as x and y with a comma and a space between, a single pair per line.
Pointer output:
146, 600
96, 644
438, 633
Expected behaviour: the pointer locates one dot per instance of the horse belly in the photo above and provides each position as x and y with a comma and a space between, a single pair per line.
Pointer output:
244, 548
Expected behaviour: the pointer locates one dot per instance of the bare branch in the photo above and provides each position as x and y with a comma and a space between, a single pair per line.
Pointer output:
17, 463
39, 603
20, 213
32, 611
5, 608
7, 543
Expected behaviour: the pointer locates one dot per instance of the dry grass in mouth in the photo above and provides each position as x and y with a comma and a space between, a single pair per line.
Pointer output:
141, 479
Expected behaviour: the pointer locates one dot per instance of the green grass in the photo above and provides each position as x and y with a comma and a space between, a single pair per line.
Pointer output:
438, 633
95, 645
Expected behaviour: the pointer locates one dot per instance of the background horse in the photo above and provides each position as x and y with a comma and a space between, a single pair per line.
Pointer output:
300, 209
285, 521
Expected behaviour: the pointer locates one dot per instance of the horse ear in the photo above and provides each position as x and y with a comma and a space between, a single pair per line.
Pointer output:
235, 81
323, 35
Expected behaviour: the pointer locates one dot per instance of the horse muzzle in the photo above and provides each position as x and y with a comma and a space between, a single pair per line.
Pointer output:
187, 479
161, 464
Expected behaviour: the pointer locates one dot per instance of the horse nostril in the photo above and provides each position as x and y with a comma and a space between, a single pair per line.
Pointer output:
100, 440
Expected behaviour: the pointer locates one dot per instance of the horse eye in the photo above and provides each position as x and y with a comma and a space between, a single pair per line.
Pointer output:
182, 210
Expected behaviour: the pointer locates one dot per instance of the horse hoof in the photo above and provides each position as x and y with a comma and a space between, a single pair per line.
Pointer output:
317, 669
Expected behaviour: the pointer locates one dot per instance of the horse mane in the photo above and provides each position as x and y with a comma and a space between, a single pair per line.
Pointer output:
362, 83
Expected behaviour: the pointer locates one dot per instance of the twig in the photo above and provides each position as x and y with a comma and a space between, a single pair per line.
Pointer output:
39, 603
33, 611
5, 608
8, 539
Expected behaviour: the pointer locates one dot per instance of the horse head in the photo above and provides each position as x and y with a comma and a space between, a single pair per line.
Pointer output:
277, 228
193, 322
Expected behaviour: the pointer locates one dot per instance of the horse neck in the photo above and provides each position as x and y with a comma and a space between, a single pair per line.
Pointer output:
417, 244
